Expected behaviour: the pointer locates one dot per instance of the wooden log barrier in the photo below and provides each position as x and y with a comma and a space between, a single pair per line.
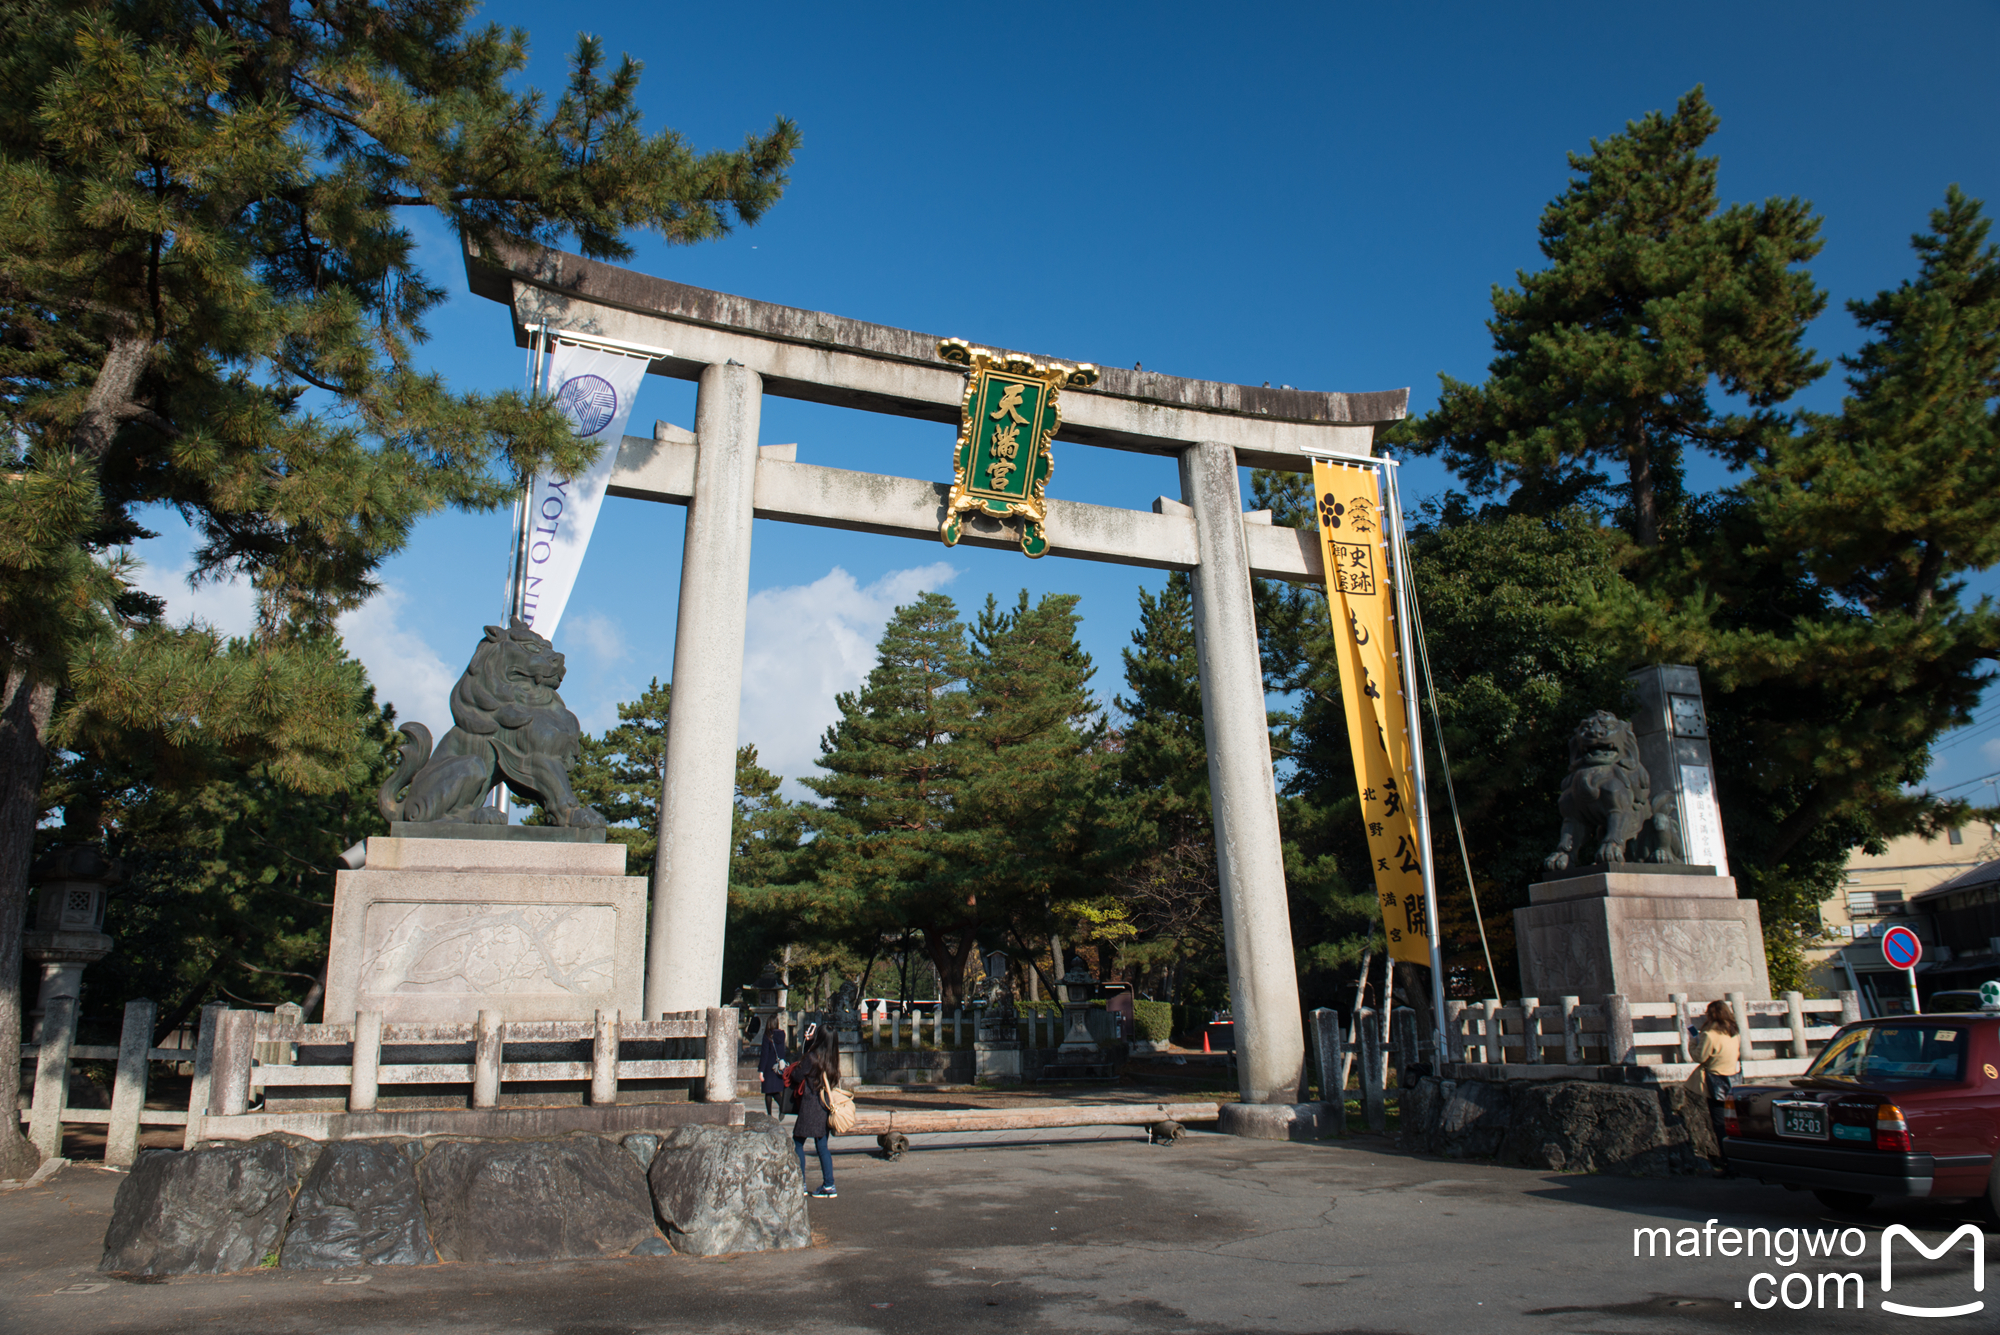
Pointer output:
916, 1121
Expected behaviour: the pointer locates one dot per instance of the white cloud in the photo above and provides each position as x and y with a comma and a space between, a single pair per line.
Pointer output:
406, 671
807, 643
230, 606
595, 632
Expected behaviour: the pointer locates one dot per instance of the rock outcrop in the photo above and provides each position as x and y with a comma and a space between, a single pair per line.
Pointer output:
1563, 1125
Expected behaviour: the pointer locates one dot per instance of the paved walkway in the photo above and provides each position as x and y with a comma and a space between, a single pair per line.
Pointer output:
1210, 1235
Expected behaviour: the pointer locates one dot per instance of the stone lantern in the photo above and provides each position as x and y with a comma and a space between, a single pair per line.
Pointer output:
770, 1005
1078, 986
66, 923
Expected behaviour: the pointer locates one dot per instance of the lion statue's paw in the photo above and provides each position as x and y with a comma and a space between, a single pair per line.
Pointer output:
1556, 862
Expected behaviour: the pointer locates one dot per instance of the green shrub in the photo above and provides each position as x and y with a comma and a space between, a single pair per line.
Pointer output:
1154, 1020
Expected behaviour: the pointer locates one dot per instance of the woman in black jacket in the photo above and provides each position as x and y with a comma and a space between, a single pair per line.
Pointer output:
771, 1069
821, 1063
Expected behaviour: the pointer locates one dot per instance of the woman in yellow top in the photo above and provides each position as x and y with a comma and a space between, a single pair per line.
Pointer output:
1718, 1060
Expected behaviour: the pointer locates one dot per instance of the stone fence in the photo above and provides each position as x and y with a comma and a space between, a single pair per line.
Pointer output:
50, 1108
1651, 1040
255, 1072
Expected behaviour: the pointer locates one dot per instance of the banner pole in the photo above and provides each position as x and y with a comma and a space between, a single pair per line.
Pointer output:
1407, 650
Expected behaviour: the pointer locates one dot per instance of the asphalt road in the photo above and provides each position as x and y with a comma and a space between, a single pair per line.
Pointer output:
1211, 1235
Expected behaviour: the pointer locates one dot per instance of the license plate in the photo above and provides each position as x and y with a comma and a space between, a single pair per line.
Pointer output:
1806, 1121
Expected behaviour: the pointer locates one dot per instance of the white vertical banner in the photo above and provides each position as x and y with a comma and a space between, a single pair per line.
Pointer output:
1701, 826
594, 388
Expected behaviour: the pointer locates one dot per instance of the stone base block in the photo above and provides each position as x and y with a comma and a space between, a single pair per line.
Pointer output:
1275, 1121
998, 1063
436, 930
1558, 1125
1640, 935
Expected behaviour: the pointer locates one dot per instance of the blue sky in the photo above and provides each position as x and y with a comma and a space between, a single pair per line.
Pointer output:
1315, 195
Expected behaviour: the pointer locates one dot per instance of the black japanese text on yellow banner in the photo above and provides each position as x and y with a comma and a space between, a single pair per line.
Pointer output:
1371, 687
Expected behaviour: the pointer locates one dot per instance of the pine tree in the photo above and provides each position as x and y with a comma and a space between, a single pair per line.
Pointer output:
1888, 502
1162, 820
1030, 810
1823, 596
622, 774
1605, 359
208, 300
229, 889
885, 842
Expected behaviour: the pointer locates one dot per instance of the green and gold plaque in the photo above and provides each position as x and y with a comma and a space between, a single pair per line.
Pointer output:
1001, 464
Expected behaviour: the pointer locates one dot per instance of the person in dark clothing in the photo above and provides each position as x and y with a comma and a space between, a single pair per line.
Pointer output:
771, 1069
821, 1063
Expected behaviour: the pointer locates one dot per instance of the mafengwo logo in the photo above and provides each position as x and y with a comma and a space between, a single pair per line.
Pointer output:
1797, 1288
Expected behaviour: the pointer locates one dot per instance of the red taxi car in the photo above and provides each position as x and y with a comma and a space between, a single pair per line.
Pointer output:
1899, 1107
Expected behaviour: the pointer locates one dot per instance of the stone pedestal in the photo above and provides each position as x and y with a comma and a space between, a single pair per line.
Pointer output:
1641, 931
996, 1061
437, 929
853, 1060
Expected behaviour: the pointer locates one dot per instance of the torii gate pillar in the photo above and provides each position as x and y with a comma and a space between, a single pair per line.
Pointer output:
697, 801
1249, 853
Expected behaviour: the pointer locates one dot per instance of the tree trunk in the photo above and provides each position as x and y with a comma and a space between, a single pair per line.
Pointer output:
25, 707
1645, 505
1928, 571
110, 395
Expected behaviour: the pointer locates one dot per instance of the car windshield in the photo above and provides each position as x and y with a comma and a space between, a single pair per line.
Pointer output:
1894, 1052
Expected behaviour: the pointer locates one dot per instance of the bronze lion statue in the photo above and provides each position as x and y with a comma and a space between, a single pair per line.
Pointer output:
511, 726
1609, 814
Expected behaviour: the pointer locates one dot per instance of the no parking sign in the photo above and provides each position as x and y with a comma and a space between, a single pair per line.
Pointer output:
1902, 949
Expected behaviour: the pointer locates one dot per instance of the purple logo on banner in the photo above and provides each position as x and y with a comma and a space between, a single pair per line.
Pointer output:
589, 401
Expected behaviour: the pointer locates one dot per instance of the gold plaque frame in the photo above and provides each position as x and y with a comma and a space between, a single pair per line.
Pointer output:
1030, 510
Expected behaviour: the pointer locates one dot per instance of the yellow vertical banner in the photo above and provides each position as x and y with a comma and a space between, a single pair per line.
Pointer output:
1358, 592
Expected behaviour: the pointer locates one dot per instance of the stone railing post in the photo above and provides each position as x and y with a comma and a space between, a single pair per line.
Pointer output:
1405, 1032
52, 1076
128, 1090
1496, 1051
604, 1058
1325, 1031
1369, 1023
1619, 1048
1572, 1032
486, 1060
364, 1076
200, 1089
1681, 1049
1454, 1035
1795, 1014
1531, 1029
719, 1070
1850, 1008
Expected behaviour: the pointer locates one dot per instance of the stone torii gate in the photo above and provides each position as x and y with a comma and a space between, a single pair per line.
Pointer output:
739, 350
